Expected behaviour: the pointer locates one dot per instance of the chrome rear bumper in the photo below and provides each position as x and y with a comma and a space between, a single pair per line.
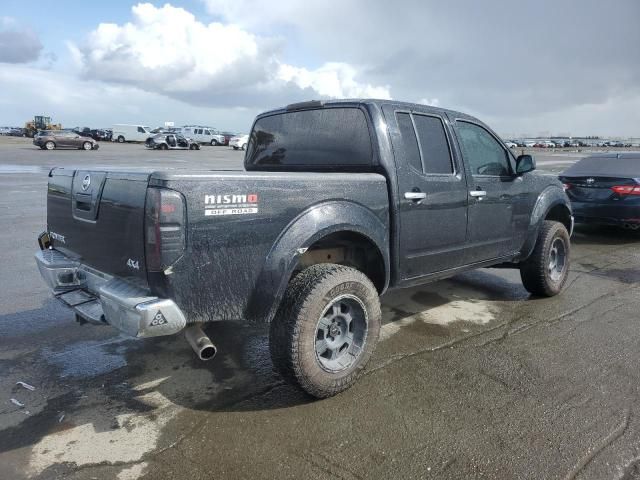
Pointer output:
101, 298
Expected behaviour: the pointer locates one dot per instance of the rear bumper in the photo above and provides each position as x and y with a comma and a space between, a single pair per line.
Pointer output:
604, 214
101, 298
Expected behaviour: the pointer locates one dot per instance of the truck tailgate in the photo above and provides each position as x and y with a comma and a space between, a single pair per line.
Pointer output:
97, 217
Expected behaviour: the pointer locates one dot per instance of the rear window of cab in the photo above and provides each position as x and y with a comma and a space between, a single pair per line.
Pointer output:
326, 138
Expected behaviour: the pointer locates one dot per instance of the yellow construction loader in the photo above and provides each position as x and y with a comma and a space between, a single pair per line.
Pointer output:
39, 122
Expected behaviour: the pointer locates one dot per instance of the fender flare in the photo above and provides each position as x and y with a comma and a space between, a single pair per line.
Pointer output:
549, 198
311, 225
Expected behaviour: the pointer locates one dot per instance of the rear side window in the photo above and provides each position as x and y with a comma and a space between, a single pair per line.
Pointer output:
323, 138
409, 141
425, 143
436, 156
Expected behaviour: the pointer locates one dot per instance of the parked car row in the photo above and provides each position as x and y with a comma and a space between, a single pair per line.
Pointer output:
565, 143
12, 131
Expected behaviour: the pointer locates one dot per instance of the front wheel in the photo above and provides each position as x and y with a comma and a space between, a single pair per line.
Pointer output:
120, 139
50, 145
87, 145
214, 143
326, 329
244, 146
546, 270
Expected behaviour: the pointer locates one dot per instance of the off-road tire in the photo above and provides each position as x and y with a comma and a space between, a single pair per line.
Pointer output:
293, 331
534, 271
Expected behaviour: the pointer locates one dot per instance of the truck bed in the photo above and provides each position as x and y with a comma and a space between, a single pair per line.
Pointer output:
234, 220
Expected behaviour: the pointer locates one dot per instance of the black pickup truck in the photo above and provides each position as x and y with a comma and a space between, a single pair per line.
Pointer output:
339, 201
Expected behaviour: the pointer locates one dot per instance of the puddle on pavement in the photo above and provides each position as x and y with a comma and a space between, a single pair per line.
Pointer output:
427, 313
90, 358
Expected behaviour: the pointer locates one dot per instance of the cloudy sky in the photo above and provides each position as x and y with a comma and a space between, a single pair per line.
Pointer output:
544, 67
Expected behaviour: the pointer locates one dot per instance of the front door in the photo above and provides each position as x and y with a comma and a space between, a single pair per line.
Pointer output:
432, 194
493, 193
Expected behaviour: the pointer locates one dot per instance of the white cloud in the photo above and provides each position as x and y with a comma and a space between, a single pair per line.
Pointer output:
336, 80
167, 50
434, 102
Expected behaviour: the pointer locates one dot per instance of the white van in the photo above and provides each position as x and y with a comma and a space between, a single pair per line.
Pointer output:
202, 134
130, 133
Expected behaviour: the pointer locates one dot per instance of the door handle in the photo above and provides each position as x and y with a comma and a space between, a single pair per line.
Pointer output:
478, 193
415, 195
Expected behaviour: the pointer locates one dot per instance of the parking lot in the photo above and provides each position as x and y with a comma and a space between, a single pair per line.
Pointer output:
472, 378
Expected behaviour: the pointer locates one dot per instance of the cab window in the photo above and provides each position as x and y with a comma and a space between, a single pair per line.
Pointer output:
483, 153
141, 130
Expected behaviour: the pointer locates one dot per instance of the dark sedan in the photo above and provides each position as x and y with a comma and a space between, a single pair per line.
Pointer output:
605, 189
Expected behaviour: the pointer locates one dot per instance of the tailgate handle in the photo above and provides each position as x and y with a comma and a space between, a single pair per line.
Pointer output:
84, 202
84, 206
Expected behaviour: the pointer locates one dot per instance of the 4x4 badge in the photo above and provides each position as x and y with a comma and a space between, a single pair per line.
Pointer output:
158, 319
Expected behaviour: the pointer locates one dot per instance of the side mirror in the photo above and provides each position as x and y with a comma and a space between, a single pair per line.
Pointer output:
524, 164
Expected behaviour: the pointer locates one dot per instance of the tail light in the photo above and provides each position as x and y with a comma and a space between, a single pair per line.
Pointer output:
626, 189
164, 228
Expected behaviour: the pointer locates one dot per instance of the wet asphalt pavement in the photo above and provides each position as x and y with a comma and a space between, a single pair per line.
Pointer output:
472, 378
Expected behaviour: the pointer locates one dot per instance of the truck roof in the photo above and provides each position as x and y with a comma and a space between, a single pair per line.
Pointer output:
356, 102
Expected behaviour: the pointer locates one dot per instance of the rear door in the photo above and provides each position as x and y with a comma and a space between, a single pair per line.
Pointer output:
494, 192
432, 193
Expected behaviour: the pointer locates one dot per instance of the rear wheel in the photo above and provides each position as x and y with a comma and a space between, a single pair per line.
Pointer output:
244, 146
326, 329
50, 145
120, 139
546, 270
164, 146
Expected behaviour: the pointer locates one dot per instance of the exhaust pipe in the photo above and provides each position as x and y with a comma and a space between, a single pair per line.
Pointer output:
200, 342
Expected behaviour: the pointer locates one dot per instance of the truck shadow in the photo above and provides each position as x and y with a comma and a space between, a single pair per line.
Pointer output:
241, 377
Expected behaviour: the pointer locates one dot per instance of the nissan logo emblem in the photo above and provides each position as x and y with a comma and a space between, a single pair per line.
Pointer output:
591, 180
86, 182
